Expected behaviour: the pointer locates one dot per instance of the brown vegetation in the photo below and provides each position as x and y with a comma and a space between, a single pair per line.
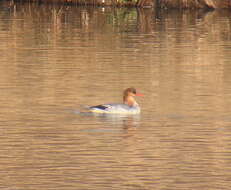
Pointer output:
118, 3
195, 3
179, 4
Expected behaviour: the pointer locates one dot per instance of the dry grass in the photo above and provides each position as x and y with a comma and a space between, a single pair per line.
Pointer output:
195, 4
182, 4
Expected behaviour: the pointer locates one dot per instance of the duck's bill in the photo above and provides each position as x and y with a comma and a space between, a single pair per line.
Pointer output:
139, 94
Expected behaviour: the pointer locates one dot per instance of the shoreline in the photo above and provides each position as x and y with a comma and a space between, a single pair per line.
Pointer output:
161, 4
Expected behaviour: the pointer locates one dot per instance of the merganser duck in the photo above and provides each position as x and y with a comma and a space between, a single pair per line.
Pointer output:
129, 106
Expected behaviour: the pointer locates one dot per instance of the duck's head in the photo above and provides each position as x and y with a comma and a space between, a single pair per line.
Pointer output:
130, 92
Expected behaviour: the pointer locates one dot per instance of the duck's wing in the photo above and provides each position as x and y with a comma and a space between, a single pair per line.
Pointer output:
102, 107
115, 108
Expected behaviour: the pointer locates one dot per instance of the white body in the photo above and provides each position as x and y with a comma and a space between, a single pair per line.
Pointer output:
116, 109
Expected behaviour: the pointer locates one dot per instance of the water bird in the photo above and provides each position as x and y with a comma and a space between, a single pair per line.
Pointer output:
129, 105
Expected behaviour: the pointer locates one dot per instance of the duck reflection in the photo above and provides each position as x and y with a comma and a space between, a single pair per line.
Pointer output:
109, 122
126, 121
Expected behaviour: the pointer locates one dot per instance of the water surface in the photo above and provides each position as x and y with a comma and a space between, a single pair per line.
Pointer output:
55, 60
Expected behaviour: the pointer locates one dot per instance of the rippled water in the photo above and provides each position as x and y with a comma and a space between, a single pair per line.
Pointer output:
55, 60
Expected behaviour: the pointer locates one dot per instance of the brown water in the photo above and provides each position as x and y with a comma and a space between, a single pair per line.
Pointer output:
55, 60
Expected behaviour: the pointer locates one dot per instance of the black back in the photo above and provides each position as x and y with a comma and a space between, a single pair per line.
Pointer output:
102, 107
